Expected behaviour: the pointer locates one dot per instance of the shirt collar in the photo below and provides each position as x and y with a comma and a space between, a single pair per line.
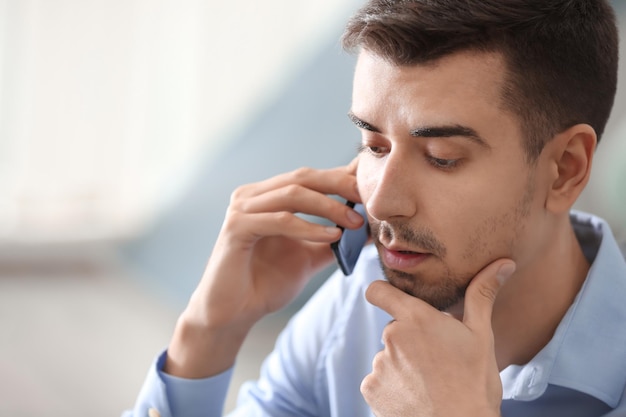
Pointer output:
588, 350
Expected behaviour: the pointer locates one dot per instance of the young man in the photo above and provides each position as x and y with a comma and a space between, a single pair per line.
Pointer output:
482, 294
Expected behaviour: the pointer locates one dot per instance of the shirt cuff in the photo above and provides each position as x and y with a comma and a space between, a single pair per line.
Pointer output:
195, 397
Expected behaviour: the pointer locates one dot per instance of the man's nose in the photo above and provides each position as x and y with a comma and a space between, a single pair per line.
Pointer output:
394, 193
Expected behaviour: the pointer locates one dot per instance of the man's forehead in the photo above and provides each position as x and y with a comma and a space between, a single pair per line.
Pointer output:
492, 60
465, 75
461, 89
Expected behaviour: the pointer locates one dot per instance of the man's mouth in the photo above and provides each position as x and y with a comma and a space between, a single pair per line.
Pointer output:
402, 259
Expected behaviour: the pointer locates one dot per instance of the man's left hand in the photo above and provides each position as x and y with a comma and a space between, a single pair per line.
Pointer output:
434, 365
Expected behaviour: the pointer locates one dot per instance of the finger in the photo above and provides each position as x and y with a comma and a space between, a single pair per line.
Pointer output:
352, 166
395, 302
252, 227
482, 291
298, 199
328, 181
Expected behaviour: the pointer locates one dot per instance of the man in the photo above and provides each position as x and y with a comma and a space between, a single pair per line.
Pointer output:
482, 294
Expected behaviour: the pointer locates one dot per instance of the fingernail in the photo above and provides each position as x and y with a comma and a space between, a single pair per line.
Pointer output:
505, 271
354, 217
332, 230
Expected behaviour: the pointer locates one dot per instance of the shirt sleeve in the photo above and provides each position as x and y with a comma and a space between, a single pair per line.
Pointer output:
288, 385
291, 381
172, 396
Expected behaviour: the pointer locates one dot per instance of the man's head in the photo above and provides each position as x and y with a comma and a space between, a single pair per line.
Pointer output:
561, 55
479, 122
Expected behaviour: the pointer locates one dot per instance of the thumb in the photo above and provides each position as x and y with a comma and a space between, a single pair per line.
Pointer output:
482, 291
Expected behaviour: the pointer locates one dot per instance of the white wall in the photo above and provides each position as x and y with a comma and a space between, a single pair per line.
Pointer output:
107, 105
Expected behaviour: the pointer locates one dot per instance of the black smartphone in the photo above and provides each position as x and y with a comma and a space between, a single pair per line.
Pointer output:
348, 248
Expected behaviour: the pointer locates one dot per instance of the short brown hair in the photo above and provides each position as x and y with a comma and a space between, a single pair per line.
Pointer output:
561, 55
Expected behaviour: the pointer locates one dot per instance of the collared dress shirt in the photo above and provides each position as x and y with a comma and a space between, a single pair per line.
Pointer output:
327, 348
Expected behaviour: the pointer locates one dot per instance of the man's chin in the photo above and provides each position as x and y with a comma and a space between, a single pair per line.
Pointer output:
443, 296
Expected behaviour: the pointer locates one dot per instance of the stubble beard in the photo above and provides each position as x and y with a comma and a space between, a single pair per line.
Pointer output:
443, 292
449, 288
448, 291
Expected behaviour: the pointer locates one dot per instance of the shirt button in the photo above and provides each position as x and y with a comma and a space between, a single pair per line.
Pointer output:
152, 412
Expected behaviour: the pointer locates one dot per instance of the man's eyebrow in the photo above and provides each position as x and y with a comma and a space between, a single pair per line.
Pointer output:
445, 131
448, 132
362, 124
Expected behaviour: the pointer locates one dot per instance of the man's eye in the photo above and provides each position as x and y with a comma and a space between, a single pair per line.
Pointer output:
445, 164
374, 150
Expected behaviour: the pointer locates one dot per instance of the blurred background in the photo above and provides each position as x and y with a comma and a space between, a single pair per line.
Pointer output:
124, 127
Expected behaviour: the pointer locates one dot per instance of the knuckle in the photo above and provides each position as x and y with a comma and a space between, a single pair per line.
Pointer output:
387, 336
291, 191
239, 193
232, 219
302, 173
417, 319
487, 293
367, 386
378, 361
283, 217
240, 204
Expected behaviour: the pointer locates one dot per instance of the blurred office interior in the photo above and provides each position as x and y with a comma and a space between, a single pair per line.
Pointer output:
124, 127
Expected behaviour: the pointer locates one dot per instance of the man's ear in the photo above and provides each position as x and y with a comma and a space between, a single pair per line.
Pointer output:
571, 154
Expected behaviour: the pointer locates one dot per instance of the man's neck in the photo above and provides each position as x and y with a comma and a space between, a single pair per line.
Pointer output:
533, 302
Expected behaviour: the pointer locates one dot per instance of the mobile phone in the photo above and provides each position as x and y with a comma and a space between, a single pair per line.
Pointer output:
348, 248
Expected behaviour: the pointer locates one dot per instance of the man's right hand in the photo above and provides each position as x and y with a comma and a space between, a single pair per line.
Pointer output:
262, 259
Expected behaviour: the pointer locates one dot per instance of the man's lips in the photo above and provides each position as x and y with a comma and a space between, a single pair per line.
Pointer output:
402, 260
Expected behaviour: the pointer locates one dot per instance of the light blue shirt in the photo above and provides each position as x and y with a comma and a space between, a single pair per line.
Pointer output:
327, 348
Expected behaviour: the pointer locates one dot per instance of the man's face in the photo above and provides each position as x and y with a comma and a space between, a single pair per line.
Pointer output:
442, 171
